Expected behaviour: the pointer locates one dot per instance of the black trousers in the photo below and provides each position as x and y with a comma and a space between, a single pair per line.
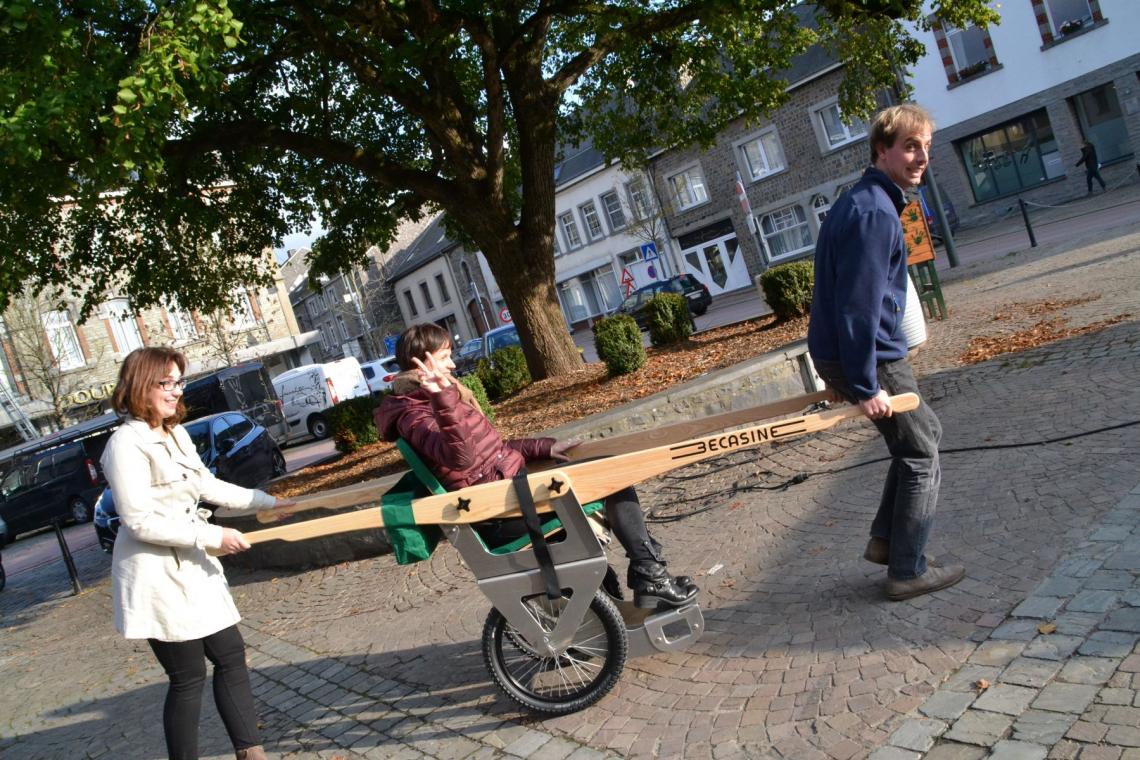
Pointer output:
623, 512
185, 666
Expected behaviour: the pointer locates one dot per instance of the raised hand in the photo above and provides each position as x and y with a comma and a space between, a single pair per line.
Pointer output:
432, 374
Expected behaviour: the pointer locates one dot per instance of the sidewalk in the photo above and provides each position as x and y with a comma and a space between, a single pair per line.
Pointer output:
802, 657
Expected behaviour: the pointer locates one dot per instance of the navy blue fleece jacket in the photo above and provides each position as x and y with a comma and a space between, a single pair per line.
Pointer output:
860, 282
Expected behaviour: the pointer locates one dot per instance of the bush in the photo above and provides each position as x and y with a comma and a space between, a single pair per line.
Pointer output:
351, 423
668, 318
618, 342
504, 372
787, 288
475, 385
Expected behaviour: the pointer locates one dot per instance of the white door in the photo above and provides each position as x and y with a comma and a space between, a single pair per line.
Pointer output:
719, 264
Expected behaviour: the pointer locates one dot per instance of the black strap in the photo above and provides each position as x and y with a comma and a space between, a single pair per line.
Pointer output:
537, 540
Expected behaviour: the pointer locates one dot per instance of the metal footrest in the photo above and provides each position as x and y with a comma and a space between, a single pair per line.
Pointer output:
666, 631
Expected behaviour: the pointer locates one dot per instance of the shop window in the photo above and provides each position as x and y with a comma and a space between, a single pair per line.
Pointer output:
1014, 156
570, 231
591, 220
762, 155
614, 213
63, 340
839, 129
786, 232
688, 187
1102, 122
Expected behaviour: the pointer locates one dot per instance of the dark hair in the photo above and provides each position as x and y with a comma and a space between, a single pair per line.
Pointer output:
418, 341
141, 371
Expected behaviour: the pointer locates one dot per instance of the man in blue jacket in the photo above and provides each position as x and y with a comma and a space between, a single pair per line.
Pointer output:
858, 347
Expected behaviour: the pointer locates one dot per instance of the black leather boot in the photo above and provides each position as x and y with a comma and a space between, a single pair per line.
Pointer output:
653, 587
685, 581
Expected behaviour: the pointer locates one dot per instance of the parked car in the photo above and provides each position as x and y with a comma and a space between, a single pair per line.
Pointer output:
696, 295
231, 445
245, 388
466, 356
379, 373
307, 392
56, 483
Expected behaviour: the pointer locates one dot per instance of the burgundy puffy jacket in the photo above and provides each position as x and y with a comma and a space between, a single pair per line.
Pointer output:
455, 440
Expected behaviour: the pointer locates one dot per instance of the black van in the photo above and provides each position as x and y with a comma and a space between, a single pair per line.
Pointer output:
57, 483
246, 388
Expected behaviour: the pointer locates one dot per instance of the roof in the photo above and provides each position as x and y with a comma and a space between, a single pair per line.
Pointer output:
101, 424
432, 243
576, 160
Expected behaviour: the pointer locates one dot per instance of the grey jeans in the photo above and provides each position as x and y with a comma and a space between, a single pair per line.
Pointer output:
906, 508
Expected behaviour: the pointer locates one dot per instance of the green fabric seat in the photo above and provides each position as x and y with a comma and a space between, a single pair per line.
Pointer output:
431, 484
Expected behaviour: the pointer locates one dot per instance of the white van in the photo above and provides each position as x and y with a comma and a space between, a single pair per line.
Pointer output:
307, 392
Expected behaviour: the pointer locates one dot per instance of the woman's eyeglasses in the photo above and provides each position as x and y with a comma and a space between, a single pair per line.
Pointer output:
169, 385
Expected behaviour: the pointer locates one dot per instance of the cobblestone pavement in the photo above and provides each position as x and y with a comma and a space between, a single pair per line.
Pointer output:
802, 657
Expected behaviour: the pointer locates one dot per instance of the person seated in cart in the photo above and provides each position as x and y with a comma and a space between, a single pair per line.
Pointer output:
443, 423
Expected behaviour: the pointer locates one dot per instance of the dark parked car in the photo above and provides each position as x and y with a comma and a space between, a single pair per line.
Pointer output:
246, 388
466, 356
57, 483
696, 295
230, 444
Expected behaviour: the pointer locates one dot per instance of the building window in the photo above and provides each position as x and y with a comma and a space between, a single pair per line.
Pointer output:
340, 323
124, 329
838, 129
411, 303
181, 323
1102, 122
444, 293
966, 53
592, 221
762, 155
313, 305
1014, 156
786, 232
557, 248
1068, 16
570, 231
820, 205
428, 303
63, 340
688, 187
614, 213
241, 313
639, 201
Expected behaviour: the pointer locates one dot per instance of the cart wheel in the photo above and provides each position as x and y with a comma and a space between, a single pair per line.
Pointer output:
577, 678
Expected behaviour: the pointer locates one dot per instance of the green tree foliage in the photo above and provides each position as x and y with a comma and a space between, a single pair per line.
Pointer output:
158, 149
618, 341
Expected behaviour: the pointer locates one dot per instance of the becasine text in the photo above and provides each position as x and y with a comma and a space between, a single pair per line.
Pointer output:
739, 439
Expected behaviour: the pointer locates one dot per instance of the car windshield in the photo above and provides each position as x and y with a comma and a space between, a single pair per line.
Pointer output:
200, 435
503, 339
471, 347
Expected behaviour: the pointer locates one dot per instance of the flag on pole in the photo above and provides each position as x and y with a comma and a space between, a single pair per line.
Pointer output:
745, 206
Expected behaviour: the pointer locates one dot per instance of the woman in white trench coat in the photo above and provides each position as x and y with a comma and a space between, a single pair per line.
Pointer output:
167, 587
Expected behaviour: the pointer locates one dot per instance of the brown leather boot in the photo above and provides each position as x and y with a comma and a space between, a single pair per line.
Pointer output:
252, 753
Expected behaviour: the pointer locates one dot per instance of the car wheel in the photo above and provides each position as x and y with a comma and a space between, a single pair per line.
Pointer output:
318, 427
78, 509
279, 467
700, 310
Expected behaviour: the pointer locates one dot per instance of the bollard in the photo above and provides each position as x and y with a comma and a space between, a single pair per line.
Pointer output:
1028, 226
63, 548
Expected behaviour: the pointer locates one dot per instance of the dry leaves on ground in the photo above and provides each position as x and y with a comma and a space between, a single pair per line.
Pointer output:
983, 348
549, 403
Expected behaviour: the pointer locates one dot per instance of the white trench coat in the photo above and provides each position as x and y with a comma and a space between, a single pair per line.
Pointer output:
164, 584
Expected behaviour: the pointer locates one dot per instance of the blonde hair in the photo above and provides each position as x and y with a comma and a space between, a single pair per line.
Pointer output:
892, 122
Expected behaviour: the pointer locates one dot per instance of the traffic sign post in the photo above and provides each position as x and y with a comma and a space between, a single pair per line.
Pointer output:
505, 315
627, 281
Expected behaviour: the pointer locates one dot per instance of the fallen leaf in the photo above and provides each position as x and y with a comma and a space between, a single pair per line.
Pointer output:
1047, 628
981, 684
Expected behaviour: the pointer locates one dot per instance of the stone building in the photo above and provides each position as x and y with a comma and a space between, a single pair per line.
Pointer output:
61, 370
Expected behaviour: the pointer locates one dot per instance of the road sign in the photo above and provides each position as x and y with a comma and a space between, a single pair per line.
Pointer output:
648, 251
628, 284
504, 314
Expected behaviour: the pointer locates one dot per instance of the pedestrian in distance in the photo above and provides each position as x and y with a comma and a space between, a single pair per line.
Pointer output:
1092, 165
443, 423
856, 340
167, 587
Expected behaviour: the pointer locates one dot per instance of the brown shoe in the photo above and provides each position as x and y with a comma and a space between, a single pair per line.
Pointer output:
252, 753
933, 579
